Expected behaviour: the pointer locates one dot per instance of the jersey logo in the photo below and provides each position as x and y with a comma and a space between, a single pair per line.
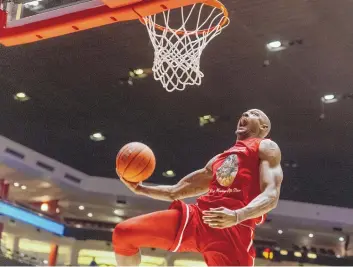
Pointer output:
227, 172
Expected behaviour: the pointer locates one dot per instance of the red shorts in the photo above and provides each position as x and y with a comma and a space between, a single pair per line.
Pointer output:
220, 247
181, 229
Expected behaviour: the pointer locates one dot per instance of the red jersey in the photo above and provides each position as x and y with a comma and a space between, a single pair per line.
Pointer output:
236, 178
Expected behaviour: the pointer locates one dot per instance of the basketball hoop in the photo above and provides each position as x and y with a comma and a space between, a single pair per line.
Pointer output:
178, 46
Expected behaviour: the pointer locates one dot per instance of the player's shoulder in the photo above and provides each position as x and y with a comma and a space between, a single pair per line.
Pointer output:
269, 149
268, 143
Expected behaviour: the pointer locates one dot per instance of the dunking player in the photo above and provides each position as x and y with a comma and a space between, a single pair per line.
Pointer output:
240, 185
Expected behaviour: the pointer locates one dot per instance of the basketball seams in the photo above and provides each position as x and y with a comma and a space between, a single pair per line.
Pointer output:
127, 166
147, 165
118, 160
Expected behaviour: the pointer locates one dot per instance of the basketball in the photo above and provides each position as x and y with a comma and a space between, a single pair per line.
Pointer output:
135, 162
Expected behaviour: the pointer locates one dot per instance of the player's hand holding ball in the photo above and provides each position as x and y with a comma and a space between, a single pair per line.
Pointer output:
135, 163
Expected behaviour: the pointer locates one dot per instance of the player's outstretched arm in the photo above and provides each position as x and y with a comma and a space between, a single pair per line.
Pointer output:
193, 184
271, 176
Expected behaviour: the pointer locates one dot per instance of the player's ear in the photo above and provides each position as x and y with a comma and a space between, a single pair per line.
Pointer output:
264, 127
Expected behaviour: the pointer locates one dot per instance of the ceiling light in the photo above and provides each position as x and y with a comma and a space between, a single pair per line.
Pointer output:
81, 207
139, 71
23, 187
311, 235
21, 97
329, 98
44, 207
16, 184
341, 239
311, 255
45, 262
280, 231
97, 137
206, 119
57, 210
90, 214
169, 173
274, 44
297, 254
283, 252
78, 225
119, 212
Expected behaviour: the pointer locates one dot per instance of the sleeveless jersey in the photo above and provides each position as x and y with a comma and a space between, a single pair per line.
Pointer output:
236, 179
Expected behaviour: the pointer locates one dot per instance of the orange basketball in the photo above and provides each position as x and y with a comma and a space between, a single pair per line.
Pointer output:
135, 162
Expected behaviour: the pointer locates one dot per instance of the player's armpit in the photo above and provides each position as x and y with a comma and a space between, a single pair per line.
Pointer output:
193, 184
271, 176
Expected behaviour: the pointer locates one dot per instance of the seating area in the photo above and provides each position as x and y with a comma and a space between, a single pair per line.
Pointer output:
16, 258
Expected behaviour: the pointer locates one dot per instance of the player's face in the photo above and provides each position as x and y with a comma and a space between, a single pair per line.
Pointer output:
250, 123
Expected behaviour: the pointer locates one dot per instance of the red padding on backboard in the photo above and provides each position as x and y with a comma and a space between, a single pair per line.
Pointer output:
84, 20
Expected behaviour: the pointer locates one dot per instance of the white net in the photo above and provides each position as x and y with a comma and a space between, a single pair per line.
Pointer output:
177, 50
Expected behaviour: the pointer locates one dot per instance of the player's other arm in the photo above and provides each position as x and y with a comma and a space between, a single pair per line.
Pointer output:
271, 176
193, 184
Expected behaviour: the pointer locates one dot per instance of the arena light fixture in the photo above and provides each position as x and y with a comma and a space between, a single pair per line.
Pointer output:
169, 173
206, 119
23, 187
329, 98
311, 235
275, 46
283, 252
298, 254
57, 210
81, 207
341, 239
97, 137
119, 212
280, 231
139, 71
311, 255
16, 184
90, 214
21, 96
44, 207
338, 256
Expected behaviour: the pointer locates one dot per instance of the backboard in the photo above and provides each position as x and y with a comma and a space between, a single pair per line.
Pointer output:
25, 21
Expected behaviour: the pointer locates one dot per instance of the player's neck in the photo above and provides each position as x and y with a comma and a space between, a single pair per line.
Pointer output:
243, 137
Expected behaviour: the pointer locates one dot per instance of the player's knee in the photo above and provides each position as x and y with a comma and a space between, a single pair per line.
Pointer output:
122, 233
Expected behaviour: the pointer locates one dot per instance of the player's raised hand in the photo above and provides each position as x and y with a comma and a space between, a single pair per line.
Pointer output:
220, 217
132, 186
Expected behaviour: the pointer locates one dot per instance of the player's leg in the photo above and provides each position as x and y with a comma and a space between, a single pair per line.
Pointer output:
157, 230
229, 247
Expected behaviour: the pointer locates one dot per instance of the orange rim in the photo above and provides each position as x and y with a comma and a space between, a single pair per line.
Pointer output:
213, 3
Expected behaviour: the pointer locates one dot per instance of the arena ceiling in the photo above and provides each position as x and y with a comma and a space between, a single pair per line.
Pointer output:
76, 87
